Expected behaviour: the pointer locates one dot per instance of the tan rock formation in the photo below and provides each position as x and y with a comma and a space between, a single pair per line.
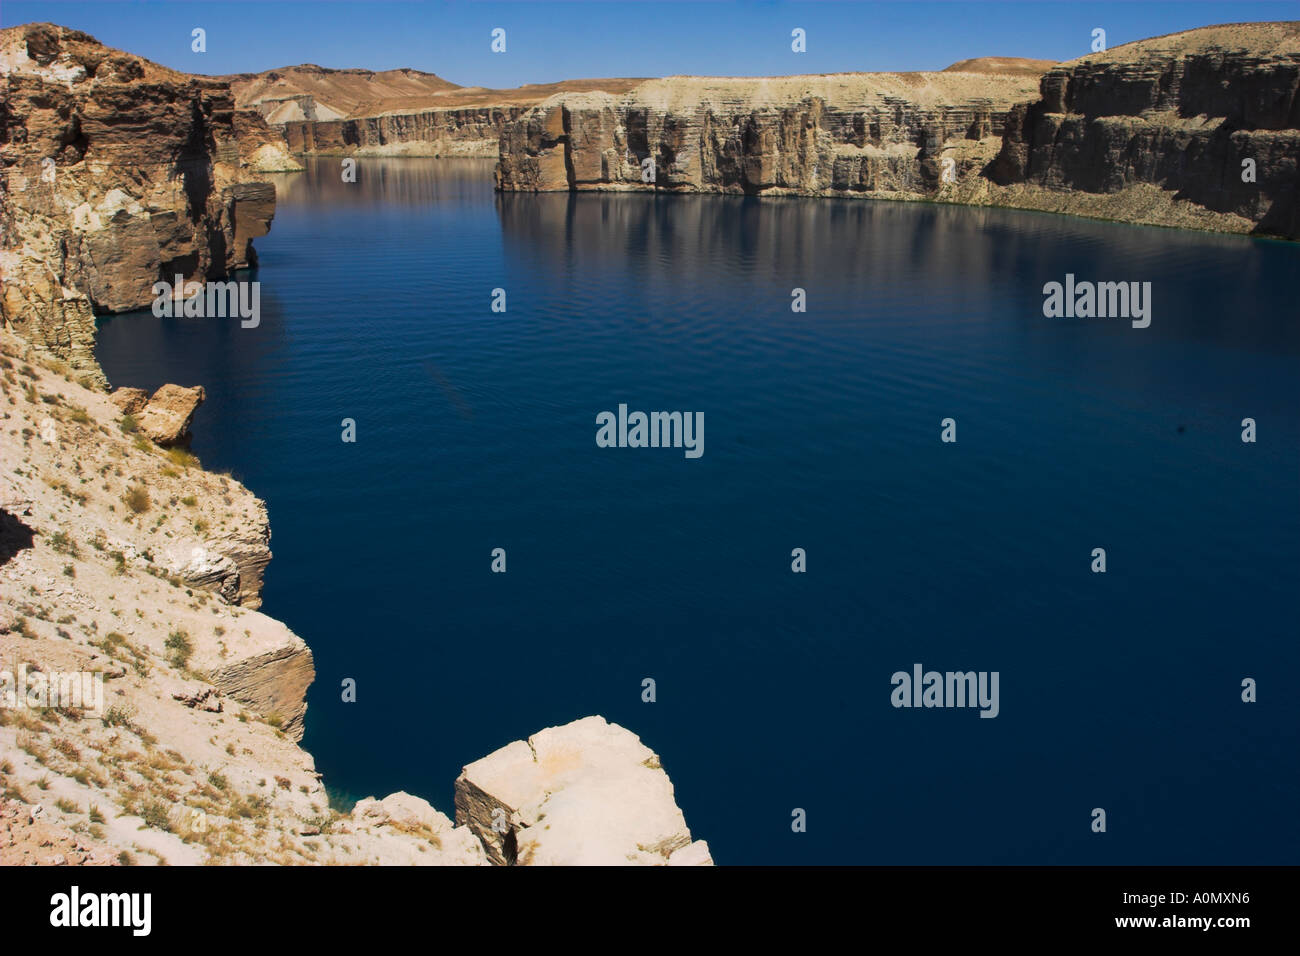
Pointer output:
467, 131
317, 93
402, 813
1180, 113
130, 401
868, 133
166, 417
587, 793
115, 173
262, 149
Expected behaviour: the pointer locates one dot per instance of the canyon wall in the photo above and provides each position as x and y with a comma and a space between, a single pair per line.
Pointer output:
1184, 113
392, 113
115, 173
1150, 132
859, 133
367, 113
467, 131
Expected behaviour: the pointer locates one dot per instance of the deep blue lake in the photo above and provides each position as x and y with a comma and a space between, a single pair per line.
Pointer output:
476, 430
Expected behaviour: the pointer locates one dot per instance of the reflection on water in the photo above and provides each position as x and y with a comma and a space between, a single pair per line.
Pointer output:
394, 181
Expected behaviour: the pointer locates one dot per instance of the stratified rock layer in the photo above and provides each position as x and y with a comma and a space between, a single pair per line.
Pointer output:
471, 131
808, 135
1185, 113
116, 173
1150, 132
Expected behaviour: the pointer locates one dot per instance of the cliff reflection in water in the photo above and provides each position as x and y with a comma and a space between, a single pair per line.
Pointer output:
402, 182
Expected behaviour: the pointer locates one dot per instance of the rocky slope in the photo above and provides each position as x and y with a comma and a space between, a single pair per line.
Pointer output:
318, 94
1151, 132
126, 560
114, 173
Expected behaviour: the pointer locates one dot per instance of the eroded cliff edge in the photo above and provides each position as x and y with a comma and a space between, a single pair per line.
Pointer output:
116, 173
1149, 132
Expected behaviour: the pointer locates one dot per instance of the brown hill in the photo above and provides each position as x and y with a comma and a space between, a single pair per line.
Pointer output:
308, 91
1001, 64
318, 94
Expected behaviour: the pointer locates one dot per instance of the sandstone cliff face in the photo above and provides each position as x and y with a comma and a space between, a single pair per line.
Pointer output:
468, 131
860, 133
1151, 132
116, 173
1181, 113
262, 148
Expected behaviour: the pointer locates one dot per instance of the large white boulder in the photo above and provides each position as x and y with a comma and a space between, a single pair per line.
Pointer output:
587, 793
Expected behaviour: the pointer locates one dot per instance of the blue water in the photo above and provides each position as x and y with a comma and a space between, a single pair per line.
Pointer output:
476, 430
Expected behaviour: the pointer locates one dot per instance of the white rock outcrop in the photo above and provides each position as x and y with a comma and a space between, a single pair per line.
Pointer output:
392, 822
586, 793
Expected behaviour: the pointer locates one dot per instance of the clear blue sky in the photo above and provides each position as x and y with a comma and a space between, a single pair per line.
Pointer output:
555, 41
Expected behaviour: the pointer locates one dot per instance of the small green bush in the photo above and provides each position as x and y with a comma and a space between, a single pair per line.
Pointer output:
178, 643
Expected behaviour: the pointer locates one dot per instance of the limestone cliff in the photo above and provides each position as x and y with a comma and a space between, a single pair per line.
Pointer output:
1150, 132
467, 131
114, 173
841, 134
